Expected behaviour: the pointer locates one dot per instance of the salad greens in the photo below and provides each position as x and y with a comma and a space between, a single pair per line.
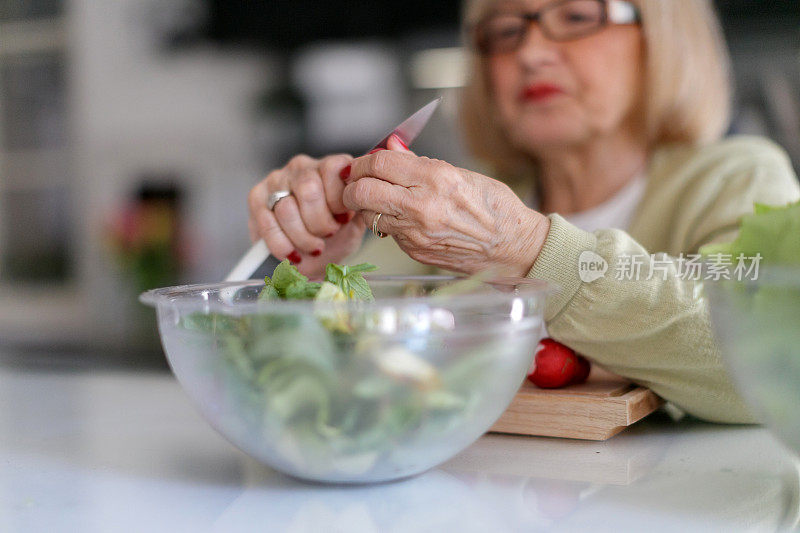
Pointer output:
772, 231
332, 396
289, 284
351, 280
758, 323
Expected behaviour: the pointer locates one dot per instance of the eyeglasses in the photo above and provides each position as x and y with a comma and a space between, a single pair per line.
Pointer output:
504, 31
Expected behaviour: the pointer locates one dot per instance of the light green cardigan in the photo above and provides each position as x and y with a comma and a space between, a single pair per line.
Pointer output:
655, 332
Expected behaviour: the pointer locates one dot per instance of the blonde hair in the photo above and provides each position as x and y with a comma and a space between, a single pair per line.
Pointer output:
687, 89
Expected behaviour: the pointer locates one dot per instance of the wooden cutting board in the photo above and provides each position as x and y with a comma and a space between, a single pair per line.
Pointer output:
596, 410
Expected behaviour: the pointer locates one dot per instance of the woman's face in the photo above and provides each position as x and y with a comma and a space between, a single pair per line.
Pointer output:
551, 95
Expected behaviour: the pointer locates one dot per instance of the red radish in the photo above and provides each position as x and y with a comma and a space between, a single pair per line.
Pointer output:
555, 365
582, 371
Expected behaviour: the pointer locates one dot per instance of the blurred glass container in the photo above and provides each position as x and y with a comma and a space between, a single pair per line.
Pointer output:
351, 391
757, 325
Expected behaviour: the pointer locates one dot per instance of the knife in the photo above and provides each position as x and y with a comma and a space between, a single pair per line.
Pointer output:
408, 131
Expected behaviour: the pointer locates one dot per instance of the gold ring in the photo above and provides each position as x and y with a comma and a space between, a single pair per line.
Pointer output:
375, 229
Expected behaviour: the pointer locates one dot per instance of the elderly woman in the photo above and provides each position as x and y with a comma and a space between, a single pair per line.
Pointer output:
603, 119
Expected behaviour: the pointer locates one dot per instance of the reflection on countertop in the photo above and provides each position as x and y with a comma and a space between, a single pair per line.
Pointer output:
124, 451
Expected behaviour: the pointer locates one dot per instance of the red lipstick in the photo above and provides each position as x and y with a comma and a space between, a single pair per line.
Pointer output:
539, 92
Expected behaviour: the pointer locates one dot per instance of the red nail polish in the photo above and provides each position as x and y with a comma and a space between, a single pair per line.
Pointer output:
316, 253
342, 218
375, 150
294, 257
329, 235
345, 172
400, 140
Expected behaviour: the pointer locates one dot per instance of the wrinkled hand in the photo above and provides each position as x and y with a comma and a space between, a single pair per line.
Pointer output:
446, 216
312, 227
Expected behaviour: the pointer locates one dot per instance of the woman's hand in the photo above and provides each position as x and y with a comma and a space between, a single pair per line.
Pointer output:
446, 216
312, 227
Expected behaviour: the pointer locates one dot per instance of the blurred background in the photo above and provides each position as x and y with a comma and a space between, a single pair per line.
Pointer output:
132, 130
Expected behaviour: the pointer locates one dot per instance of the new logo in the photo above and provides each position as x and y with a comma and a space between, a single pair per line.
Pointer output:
591, 266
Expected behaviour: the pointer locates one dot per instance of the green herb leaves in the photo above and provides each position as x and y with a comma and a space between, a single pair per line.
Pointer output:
351, 280
289, 284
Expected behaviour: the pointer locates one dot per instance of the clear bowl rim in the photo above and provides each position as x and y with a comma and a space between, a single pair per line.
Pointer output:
172, 295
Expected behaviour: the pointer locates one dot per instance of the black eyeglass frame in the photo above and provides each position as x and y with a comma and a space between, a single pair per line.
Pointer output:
535, 16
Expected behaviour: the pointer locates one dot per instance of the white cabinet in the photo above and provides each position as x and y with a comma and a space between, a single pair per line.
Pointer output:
35, 176
40, 298
119, 107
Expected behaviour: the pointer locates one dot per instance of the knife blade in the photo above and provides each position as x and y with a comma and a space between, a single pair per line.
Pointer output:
408, 130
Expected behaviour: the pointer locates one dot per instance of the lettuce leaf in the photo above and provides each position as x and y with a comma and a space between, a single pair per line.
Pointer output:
772, 231
269, 292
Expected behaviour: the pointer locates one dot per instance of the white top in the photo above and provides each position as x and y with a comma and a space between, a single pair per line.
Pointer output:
126, 452
616, 212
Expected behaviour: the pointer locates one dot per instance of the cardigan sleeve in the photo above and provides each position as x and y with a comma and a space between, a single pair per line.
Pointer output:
654, 331
652, 326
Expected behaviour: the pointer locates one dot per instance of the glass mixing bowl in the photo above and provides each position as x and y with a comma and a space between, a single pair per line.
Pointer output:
757, 326
353, 392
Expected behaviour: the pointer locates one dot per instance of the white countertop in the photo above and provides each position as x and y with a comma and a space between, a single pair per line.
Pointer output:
121, 451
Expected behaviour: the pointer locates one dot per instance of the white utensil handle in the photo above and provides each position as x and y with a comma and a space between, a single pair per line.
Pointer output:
250, 262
